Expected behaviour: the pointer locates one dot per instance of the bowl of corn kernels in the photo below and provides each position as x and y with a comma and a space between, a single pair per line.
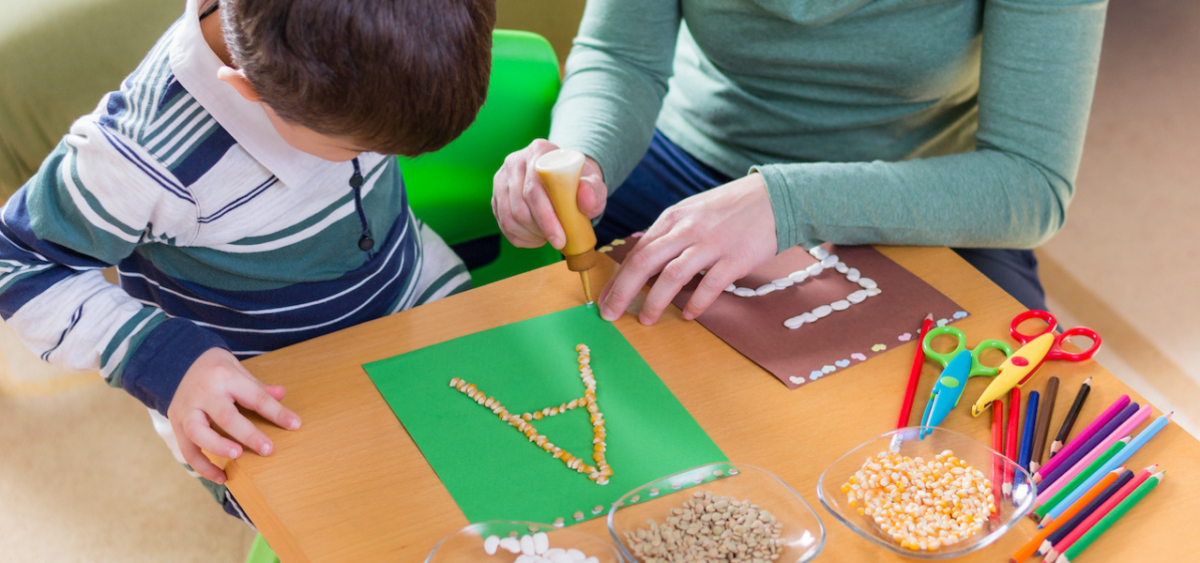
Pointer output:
507, 541
722, 512
930, 498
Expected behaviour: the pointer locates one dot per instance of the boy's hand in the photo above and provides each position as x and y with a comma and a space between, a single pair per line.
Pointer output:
522, 207
210, 392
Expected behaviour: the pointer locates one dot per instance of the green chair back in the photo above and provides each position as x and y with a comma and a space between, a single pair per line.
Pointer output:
451, 189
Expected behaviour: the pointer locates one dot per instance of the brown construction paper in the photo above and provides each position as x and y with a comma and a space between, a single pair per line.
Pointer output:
754, 325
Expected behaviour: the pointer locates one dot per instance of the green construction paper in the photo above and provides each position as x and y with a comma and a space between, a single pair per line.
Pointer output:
493, 471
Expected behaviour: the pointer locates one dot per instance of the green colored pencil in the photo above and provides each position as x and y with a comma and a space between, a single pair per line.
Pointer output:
1079, 479
1111, 518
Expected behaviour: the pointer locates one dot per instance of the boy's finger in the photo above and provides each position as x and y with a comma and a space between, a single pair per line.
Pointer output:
198, 430
227, 416
276, 391
250, 394
196, 460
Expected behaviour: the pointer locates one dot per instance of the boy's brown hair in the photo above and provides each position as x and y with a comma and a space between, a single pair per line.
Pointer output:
397, 76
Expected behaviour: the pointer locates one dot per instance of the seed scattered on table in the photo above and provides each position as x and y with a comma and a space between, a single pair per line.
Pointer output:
710, 529
922, 504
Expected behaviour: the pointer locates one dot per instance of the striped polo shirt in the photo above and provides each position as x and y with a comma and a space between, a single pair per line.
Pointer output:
223, 234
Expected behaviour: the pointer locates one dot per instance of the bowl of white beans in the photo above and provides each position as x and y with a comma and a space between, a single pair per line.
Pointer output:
510, 541
717, 512
925, 498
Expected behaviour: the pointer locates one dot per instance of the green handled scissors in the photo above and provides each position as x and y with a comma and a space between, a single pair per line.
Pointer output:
959, 364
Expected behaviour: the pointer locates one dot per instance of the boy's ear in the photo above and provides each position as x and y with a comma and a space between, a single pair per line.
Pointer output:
237, 78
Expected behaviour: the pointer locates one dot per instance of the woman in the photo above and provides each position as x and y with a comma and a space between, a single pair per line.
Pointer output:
776, 123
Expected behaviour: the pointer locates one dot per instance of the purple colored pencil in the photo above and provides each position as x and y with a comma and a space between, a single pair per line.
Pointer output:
1087, 433
1073, 458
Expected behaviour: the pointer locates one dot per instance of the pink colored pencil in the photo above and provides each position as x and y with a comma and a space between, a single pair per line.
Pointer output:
1099, 513
1121, 432
1079, 440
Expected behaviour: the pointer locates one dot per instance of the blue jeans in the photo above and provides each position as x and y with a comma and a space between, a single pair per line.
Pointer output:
668, 174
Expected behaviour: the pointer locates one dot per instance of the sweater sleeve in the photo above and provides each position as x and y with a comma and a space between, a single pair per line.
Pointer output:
616, 78
1038, 73
94, 199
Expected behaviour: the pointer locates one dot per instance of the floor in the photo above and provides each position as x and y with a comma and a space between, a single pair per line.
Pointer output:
84, 478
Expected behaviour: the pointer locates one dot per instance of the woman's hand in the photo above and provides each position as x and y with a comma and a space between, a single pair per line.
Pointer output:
727, 231
522, 207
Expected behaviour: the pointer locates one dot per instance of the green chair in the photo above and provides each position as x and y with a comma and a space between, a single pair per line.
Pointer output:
451, 189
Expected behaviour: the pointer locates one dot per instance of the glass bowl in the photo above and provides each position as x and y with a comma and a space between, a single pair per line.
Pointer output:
803, 532
906, 442
467, 544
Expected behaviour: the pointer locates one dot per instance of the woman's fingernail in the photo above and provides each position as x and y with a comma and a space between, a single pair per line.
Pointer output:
266, 449
687, 315
233, 453
645, 320
607, 314
556, 243
294, 424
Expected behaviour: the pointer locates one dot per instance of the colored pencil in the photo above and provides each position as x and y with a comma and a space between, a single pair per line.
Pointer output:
1029, 549
1042, 431
1052, 483
1072, 414
1051, 498
1083, 437
914, 376
1071, 460
1111, 518
1099, 514
1031, 412
997, 458
1010, 439
1067, 525
1138, 441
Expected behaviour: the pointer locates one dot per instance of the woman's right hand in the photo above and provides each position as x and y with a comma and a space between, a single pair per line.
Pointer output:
523, 208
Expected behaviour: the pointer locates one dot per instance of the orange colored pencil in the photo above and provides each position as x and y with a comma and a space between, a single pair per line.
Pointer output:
1031, 548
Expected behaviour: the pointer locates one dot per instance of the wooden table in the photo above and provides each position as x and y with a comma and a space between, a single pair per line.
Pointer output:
350, 485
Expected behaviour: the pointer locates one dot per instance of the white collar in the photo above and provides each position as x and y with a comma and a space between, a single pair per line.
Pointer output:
195, 67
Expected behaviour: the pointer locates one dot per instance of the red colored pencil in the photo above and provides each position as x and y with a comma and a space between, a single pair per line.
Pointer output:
1101, 512
1010, 442
915, 375
998, 445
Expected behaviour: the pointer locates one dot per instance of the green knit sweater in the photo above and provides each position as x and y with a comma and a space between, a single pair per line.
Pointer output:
916, 122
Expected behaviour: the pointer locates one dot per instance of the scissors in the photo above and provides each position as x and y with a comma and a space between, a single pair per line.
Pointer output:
1036, 349
959, 365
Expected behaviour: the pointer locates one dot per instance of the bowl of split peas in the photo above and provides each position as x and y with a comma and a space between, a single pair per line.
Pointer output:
716, 512
931, 498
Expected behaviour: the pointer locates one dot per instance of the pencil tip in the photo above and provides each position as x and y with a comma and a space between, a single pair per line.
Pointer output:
1088, 381
929, 317
1170, 414
1152, 468
1126, 439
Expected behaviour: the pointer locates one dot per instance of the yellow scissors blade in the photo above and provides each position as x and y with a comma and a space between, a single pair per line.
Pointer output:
1014, 371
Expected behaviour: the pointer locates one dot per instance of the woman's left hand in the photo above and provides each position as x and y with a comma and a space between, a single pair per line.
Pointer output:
727, 231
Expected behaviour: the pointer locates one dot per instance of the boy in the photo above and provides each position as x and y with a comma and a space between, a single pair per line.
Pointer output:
238, 180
